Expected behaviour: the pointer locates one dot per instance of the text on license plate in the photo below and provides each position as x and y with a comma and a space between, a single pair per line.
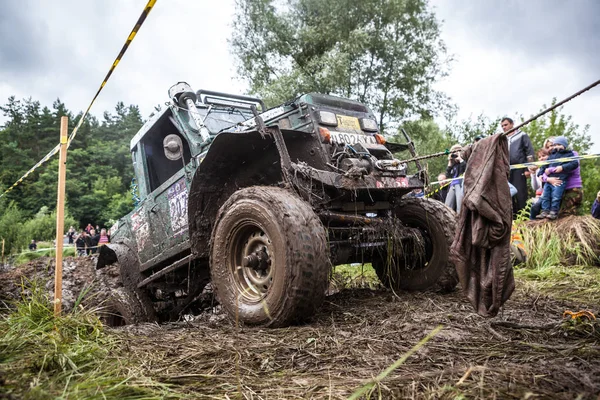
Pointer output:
351, 138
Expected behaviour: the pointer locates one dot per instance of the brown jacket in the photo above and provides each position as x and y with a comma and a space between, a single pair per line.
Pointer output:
481, 247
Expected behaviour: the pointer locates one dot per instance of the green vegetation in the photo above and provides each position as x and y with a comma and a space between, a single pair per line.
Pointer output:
386, 54
27, 256
69, 357
563, 258
99, 170
354, 276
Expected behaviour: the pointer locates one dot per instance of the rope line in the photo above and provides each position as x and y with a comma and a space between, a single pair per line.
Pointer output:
446, 182
55, 150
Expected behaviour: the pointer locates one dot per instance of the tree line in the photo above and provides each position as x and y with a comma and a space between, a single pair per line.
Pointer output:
384, 53
99, 169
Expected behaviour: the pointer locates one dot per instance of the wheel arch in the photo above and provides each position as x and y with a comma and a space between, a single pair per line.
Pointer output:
234, 161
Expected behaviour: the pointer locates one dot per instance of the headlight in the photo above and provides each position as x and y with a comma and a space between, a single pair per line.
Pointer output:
327, 118
368, 124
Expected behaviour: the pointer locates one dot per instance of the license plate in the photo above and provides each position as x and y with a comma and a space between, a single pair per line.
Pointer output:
351, 123
351, 138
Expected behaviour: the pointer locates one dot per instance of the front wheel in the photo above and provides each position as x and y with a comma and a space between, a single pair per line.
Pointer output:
269, 257
434, 225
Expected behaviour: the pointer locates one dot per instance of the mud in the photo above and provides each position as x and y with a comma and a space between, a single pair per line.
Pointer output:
78, 275
528, 351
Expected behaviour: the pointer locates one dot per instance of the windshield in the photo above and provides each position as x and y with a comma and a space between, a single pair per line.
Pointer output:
220, 118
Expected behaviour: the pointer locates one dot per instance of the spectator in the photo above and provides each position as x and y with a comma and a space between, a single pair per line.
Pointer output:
71, 235
596, 207
104, 237
520, 151
548, 144
573, 197
441, 192
33, 246
537, 184
80, 243
416, 193
552, 194
456, 168
94, 239
88, 228
88, 243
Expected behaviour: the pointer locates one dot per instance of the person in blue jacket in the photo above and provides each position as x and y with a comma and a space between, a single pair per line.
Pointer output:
596, 207
552, 195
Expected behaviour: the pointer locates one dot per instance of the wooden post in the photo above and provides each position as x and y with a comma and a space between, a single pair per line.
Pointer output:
2, 251
60, 214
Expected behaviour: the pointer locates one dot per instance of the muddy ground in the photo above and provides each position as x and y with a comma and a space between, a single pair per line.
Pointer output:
528, 351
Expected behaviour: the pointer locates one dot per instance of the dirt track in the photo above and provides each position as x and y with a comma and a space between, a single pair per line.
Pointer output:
360, 332
526, 351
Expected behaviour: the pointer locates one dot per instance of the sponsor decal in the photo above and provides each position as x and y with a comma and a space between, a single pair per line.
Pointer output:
392, 182
140, 228
177, 196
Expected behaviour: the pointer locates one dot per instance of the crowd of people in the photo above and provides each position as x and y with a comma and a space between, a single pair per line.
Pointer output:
89, 239
557, 185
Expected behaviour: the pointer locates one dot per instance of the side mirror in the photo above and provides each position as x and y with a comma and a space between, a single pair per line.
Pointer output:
173, 147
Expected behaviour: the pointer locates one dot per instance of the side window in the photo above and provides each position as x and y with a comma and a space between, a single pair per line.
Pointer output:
159, 168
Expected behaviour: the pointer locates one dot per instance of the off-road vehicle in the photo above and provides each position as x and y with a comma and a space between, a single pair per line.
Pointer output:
262, 203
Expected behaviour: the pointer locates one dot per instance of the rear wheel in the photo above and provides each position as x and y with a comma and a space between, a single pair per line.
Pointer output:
430, 266
126, 303
269, 257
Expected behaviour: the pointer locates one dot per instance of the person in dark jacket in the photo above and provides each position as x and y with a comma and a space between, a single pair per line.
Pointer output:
520, 151
552, 195
94, 239
80, 243
456, 168
441, 193
596, 207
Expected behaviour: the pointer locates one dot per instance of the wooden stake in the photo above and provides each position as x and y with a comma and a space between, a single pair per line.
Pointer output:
60, 214
2, 251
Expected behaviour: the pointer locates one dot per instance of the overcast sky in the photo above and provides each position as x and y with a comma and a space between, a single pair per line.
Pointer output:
511, 57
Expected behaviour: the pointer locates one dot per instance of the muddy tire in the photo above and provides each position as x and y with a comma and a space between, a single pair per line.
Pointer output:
125, 303
436, 223
269, 257
123, 308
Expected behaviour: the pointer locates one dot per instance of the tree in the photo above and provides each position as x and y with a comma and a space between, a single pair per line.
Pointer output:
555, 123
428, 138
99, 169
384, 53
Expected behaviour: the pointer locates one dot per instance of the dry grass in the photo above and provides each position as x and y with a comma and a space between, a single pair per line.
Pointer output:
527, 351
572, 240
359, 333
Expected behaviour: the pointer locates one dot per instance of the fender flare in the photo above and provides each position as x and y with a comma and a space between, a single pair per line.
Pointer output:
235, 160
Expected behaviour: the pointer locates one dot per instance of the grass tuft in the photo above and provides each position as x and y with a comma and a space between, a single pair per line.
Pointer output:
70, 356
28, 256
563, 258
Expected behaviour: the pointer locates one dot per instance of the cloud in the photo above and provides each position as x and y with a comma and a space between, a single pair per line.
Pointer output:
513, 57
65, 52
20, 50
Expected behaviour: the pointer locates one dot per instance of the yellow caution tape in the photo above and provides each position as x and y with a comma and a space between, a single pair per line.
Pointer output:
55, 150
565, 159
446, 182
134, 31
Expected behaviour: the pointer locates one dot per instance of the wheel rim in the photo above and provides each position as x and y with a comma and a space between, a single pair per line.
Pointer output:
250, 259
